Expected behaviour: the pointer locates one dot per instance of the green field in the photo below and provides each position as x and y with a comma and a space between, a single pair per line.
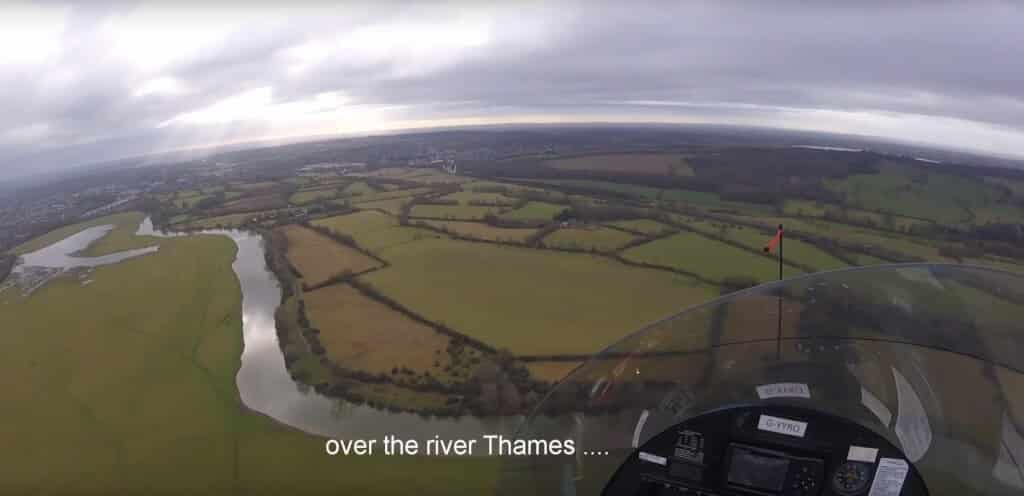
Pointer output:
453, 212
793, 249
600, 239
380, 241
358, 189
393, 206
254, 186
375, 231
130, 388
643, 192
318, 258
532, 301
387, 195
803, 208
304, 197
479, 230
905, 191
708, 258
645, 226
464, 197
915, 247
190, 201
687, 196
357, 223
535, 212
363, 334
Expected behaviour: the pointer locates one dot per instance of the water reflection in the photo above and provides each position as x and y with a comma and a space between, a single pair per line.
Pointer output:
60, 254
265, 386
35, 269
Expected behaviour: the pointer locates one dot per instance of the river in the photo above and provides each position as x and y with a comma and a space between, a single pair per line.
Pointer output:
265, 386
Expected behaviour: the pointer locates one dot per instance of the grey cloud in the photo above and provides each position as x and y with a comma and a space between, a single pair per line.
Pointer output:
954, 60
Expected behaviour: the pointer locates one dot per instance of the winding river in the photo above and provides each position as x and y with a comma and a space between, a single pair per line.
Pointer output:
265, 386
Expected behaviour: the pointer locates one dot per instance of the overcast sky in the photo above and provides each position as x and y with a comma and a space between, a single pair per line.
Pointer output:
93, 81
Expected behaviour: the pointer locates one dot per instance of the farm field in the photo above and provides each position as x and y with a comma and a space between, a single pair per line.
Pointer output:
388, 195
914, 247
381, 240
600, 239
636, 163
393, 206
357, 223
793, 249
187, 202
464, 197
375, 231
304, 197
162, 414
535, 211
252, 203
453, 212
708, 258
642, 192
318, 258
425, 176
645, 226
935, 196
359, 188
688, 196
362, 334
569, 295
803, 208
479, 230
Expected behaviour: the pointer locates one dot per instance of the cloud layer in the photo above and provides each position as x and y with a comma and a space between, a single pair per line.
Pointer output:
92, 82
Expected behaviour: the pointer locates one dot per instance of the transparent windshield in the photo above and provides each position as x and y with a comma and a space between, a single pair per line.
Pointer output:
928, 356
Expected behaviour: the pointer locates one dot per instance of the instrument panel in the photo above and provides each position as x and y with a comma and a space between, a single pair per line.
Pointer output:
767, 451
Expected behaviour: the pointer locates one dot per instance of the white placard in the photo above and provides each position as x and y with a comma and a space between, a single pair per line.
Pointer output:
779, 425
648, 457
784, 390
862, 454
889, 477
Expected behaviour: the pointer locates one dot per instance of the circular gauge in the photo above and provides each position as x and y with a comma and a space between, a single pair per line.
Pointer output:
851, 478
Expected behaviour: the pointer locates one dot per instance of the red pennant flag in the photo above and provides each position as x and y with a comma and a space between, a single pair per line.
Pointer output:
774, 242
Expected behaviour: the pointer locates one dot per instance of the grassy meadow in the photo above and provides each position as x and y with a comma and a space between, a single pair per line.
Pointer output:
130, 388
479, 230
454, 212
573, 306
599, 239
708, 258
643, 226
535, 212
360, 333
318, 258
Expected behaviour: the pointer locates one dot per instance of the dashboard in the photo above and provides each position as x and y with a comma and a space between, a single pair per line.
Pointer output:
767, 451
